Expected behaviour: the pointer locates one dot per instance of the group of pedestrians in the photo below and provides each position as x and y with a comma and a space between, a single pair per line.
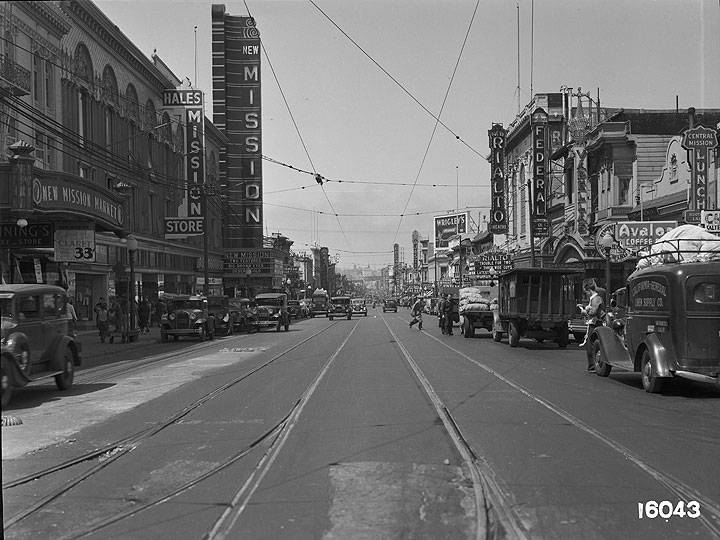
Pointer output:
445, 308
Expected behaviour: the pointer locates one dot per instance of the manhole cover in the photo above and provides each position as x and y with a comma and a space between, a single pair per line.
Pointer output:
8, 421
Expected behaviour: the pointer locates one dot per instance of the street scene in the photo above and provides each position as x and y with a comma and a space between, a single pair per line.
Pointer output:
327, 270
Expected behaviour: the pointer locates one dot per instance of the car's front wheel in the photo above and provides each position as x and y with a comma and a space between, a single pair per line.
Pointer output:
65, 379
6, 381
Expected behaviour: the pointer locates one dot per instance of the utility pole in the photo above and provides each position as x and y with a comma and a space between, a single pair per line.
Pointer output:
205, 240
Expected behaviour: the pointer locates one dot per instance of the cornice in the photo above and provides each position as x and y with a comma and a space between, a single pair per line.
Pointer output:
96, 23
49, 16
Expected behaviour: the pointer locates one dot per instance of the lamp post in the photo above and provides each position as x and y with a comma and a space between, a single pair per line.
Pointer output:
132, 246
606, 242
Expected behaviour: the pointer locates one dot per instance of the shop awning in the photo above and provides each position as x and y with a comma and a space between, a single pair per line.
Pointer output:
660, 206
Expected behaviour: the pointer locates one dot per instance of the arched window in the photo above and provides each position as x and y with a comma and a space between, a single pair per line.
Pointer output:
82, 64
133, 114
132, 105
150, 117
109, 91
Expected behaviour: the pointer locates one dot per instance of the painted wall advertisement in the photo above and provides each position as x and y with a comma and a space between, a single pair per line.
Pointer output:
445, 227
75, 245
498, 210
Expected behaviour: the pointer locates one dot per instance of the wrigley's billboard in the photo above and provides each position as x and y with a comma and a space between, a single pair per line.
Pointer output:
445, 227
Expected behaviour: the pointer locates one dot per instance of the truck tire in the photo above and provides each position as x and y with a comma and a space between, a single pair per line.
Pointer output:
513, 334
602, 368
563, 336
650, 381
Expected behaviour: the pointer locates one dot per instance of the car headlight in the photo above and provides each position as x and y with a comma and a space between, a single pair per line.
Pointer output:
193, 316
171, 316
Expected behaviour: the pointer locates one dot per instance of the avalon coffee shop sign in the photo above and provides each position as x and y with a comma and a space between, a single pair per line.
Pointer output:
60, 194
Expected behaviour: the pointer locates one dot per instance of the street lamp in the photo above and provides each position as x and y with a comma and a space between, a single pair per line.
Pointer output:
606, 243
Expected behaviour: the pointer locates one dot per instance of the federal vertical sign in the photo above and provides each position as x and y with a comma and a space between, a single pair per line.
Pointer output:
498, 210
538, 214
700, 140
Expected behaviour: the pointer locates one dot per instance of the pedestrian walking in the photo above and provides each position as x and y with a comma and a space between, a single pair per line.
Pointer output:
416, 312
594, 312
441, 312
101, 319
144, 316
71, 316
447, 316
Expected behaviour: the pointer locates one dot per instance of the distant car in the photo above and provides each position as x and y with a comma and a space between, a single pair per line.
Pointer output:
340, 307
577, 327
390, 305
36, 341
271, 311
187, 316
359, 307
219, 309
294, 309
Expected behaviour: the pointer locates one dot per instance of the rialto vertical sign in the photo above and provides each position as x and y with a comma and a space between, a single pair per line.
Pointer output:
538, 213
498, 210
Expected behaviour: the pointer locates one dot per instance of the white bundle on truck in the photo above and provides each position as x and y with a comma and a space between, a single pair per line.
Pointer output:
686, 243
474, 299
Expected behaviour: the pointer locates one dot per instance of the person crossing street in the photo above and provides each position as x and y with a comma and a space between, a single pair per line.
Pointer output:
416, 312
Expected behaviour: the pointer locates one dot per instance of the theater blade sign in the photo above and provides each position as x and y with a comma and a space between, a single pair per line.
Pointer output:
498, 211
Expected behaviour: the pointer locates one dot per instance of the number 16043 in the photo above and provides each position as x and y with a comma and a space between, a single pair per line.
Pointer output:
666, 509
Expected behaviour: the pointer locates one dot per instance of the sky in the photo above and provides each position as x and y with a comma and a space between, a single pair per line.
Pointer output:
361, 126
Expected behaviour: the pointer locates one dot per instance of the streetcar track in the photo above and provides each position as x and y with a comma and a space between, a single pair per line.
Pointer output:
490, 499
123, 446
278, 432
679, 488
229, 517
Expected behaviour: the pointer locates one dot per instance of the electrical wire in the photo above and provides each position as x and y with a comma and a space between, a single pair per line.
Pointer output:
297, 130
427, 212
437, 121
398, 83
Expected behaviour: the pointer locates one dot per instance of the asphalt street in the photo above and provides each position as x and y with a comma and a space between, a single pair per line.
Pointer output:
339, 430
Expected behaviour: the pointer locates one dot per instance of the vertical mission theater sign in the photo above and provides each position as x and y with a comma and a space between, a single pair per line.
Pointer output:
498, 210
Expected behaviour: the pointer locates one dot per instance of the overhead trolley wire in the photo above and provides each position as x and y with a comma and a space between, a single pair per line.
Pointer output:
398, 83
437, 120
297, 130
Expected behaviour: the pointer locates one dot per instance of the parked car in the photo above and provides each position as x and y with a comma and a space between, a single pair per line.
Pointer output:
36, 339
390, 305
340, 306
219, 310
665, 324
187, 316
271, 312
359, 307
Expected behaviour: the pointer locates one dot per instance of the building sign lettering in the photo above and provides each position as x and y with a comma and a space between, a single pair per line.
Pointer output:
446, 227
32, 235
60, 194
538, 215
498, 210
700, 141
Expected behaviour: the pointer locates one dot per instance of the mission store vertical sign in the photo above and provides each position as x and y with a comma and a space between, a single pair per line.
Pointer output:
498, 210
192, 223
